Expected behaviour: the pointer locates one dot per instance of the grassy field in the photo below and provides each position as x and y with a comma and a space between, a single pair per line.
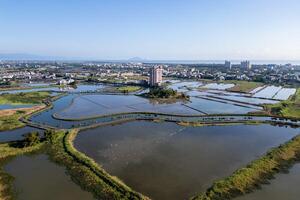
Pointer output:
288, 108
254, 174
10, 122
128, 89
24, 98
9, 119
243, 86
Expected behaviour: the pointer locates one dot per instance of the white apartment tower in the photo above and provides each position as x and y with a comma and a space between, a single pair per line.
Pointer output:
246, 64
156, 76
227, 64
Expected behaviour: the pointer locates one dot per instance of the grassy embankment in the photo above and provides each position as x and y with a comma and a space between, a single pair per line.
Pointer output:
9, 119
86, 172
243, 86
254, 174
288, 108
7, 151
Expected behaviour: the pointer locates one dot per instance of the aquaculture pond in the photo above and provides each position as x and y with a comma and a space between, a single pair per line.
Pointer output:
285, 93
211, 106
17, 134
83, 106
284, 186
93, 105
183, 86
218, 86
168, 161
78, 88
37, 178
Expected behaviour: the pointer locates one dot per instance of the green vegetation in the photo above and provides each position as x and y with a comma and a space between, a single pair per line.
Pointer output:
128, 89
31, 139
243, 86
24, 98
165, 93
11, 122
288, 108
254, 174
84, 171
10, 119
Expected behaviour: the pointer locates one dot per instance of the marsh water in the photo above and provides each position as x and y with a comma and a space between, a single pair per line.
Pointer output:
161, 160
17, 134
168, 161
284, 186
38, 178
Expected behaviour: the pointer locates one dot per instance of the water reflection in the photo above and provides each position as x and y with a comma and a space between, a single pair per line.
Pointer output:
167, 161
37, 178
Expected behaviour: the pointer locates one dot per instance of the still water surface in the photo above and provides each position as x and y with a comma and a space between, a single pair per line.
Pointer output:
284, 186
17, 134
168, 161
37, 178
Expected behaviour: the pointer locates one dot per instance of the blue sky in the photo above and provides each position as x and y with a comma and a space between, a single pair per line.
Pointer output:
152, 29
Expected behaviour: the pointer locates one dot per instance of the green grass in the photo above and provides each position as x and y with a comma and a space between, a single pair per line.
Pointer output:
11, 122
243, 86
24, 98
127, 89
254, 174
288, 108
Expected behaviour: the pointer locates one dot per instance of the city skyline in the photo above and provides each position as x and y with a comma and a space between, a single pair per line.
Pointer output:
153, 30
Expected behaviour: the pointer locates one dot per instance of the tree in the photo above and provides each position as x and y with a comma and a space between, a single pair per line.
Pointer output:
31, 139
49, 135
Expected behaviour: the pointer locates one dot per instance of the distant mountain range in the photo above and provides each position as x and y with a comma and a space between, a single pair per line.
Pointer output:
137, 59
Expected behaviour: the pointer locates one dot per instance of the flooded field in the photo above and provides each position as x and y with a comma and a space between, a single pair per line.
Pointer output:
46, 116
16, 134
284, 186
92, 105
37, 178
218, 86
244, 99
79, 88
274, 92
183, 86
168, 161
216, 107
285, 93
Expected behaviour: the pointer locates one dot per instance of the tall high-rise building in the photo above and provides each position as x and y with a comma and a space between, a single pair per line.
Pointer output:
227, 64
156, 76
246, 64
